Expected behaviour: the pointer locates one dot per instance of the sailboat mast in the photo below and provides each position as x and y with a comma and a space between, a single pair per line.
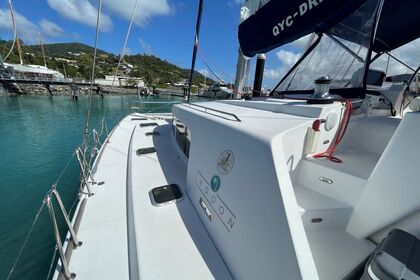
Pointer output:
42, 48
16, 36
19, 49
205, 76
196, 42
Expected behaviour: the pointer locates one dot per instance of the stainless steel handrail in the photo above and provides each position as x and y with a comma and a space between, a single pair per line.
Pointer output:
59, 244
236, 118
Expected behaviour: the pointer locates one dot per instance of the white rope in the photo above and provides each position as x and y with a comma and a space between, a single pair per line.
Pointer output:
86, 134
121, 55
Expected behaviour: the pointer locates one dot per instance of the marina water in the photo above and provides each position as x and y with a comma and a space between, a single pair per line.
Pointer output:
38, 135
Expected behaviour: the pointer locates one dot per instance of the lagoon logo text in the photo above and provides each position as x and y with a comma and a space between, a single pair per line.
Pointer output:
288, 21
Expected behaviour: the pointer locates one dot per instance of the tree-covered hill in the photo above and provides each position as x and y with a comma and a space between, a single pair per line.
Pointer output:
75, 60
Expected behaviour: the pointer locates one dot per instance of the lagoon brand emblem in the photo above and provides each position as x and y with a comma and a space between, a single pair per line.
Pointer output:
288, 21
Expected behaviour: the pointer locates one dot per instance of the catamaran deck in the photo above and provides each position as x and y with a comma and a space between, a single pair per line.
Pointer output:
126, 237
117, 244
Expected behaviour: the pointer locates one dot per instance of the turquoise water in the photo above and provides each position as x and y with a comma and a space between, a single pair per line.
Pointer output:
37, 138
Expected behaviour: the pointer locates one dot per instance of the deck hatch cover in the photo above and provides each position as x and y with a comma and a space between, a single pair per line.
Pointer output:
139, 119
144, 151
148, 124
154, 133
165, 195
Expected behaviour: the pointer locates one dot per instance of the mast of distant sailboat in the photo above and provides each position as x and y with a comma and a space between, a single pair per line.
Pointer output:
42, 48
16, 39
14, 36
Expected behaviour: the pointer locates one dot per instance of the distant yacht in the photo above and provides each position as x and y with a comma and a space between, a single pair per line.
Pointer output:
218, 90
26, 71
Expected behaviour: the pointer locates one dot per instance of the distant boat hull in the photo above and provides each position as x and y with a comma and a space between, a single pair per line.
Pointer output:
220, 93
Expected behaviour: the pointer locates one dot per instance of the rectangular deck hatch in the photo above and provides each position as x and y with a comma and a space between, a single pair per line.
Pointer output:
139, 119
165, 195
148, 124
144, 151
154, 133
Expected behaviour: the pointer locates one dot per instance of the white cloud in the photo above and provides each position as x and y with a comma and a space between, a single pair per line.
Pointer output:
274, 74
82, 11
49, 28
147, 48
146, 9
85, 12
27, 30
287, 58
408, 54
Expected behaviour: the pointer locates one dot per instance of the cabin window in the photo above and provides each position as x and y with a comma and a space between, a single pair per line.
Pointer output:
182, 136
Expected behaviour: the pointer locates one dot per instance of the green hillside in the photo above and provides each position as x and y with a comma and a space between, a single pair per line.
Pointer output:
75, 59
61, 49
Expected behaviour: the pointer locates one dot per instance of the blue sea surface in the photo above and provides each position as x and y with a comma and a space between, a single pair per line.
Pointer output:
38, 136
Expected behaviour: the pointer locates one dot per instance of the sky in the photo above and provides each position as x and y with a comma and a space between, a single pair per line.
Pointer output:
164, 28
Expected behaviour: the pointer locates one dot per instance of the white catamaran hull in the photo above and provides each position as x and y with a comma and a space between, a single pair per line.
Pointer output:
284, 214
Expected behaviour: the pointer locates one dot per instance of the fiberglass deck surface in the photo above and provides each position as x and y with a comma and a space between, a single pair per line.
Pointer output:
169, 242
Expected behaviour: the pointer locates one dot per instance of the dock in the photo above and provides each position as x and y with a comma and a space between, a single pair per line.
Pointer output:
8, 83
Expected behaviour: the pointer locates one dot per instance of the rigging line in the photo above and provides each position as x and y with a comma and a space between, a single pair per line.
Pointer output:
26, 239
15, 31
52, 263
211, 71
206, 64
202, 53
195, 49
122, 54
64, 169
86, 134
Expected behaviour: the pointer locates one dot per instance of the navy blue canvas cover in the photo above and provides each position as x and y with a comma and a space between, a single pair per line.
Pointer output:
398, 25
281, 22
